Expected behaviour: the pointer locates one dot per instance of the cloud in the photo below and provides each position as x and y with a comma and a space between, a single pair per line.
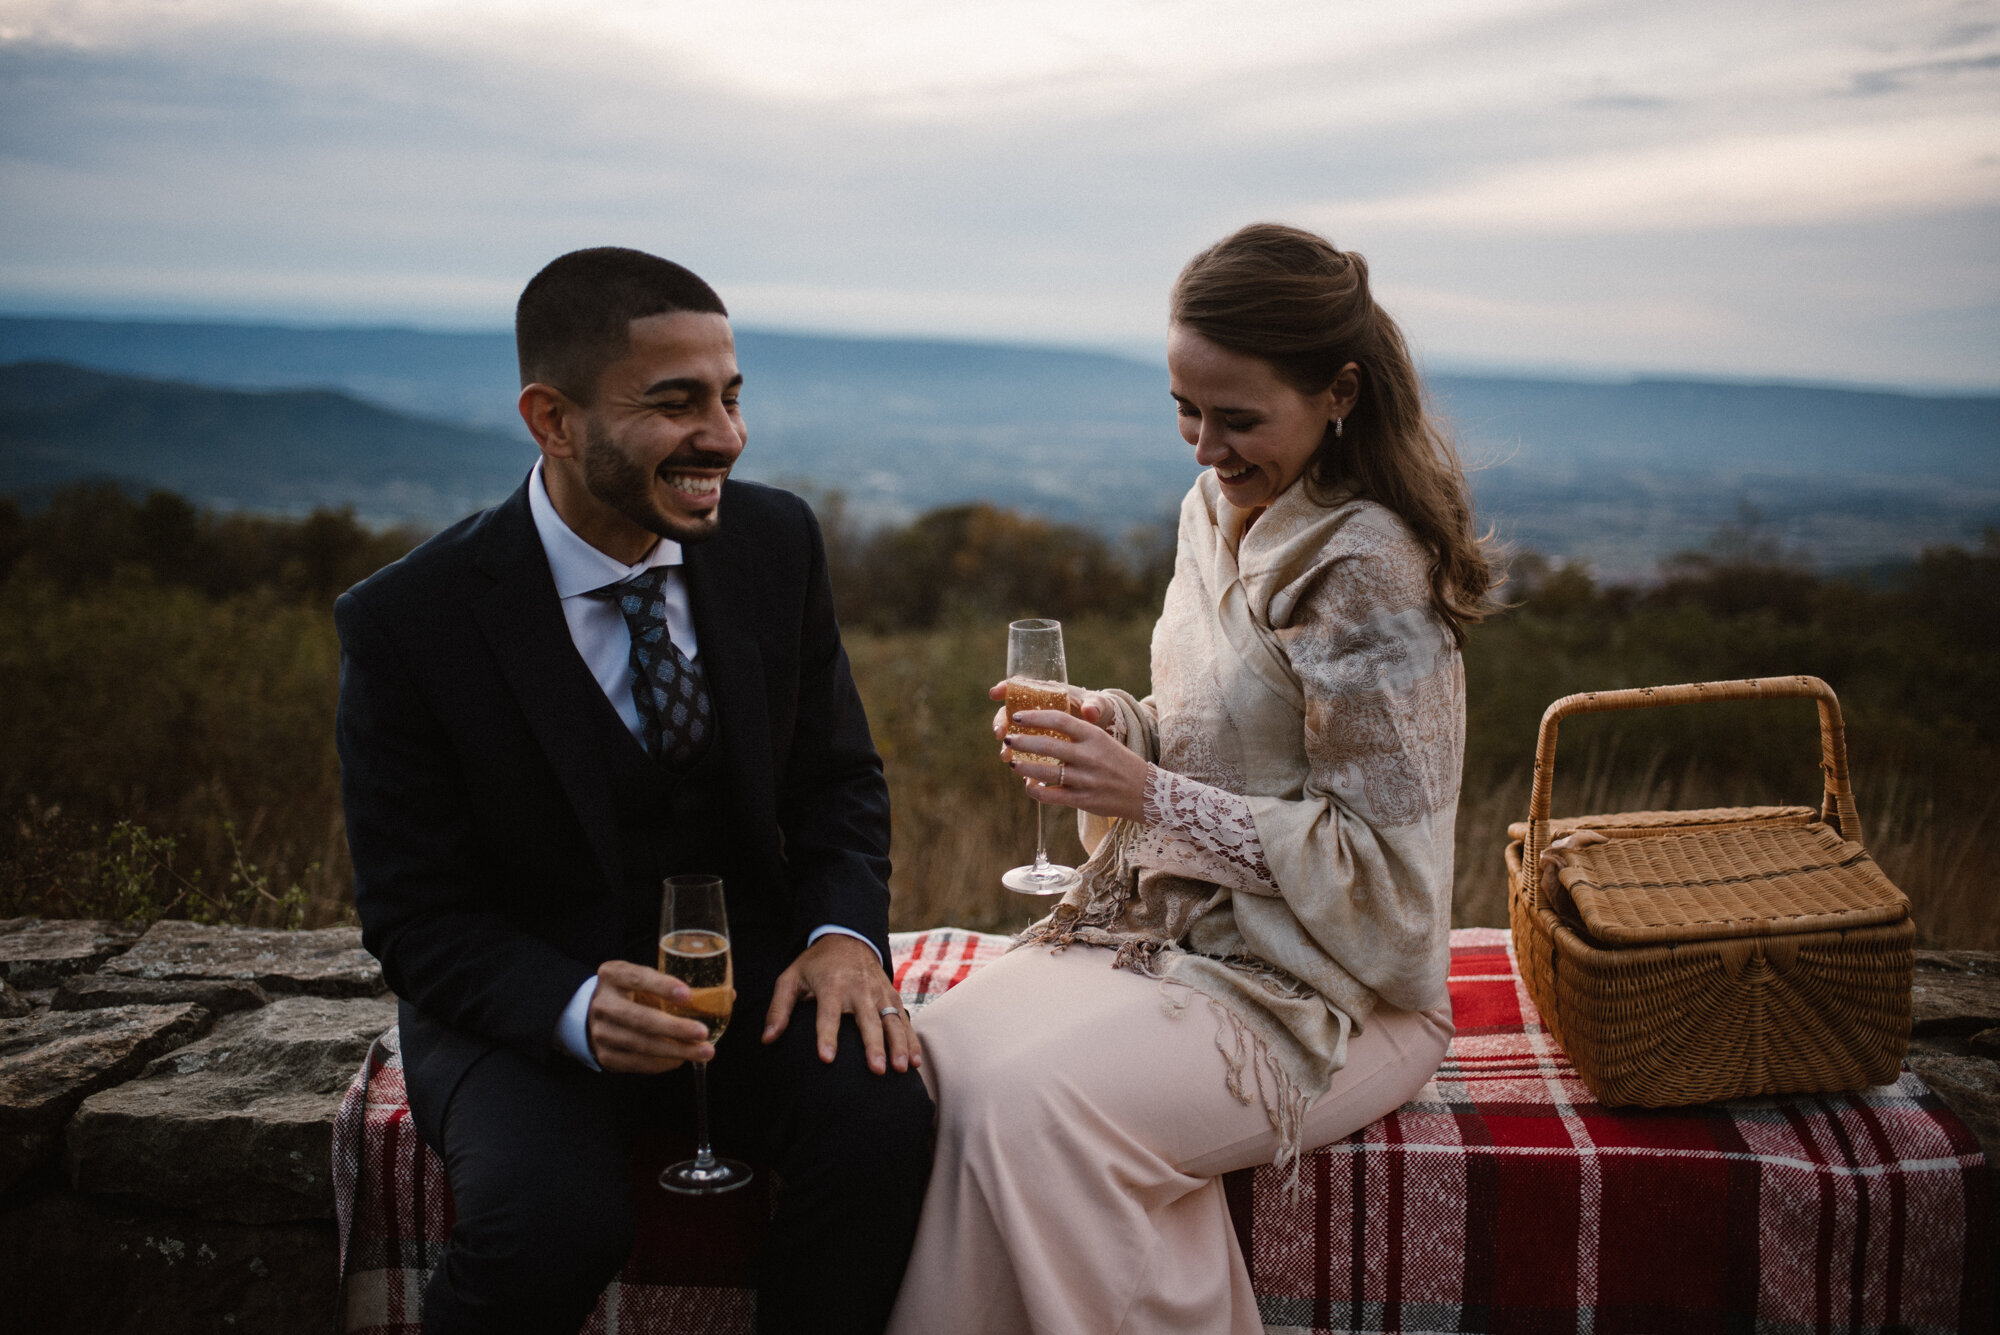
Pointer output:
1035, 170
1622, 102
1801, 176
1898, 78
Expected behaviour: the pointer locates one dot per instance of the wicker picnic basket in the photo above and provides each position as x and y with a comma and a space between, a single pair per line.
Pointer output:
1703, 955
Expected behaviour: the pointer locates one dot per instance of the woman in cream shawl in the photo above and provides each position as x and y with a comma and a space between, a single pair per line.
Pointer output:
1254, 964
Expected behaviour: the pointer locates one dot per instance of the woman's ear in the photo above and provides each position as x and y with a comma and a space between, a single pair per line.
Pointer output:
1345, 392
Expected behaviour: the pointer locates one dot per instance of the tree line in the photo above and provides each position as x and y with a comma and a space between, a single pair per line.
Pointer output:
1917, 643
95, 533
960, 561
1930, 626
170, 675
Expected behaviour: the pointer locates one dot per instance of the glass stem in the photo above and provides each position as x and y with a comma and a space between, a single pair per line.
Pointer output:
1041, 841
704, 1157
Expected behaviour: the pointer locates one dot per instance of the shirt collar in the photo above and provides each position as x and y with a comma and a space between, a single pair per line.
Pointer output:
577, 566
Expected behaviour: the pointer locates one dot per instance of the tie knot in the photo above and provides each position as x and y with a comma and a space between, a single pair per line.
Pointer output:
651, 578
640, 595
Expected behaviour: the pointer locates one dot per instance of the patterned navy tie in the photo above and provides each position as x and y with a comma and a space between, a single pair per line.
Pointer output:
667, 687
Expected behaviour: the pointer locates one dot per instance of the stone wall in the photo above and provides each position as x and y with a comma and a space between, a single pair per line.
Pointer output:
167, 1105
166, 1123
1955, 1039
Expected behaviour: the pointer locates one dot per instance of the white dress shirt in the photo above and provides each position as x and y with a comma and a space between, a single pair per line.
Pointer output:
598, 630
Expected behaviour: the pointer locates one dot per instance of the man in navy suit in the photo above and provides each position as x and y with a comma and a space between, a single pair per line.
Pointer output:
519, 777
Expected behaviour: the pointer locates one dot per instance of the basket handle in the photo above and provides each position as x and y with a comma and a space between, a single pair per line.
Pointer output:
1837, 810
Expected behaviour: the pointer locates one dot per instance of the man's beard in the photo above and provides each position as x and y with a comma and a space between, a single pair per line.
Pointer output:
627, 488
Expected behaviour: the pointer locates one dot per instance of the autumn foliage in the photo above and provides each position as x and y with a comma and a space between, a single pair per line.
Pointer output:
168, 679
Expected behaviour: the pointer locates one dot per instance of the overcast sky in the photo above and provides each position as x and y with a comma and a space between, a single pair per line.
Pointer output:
1791, 188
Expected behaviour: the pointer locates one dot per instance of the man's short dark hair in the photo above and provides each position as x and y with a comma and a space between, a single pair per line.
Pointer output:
574, 317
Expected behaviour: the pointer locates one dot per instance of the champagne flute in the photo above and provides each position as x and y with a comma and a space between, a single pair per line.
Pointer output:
1036, 679
694, 947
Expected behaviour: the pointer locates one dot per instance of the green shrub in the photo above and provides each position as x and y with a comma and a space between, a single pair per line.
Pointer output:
168, 681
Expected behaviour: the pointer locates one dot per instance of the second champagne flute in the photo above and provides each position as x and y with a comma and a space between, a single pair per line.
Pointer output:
1037, 678
694, 947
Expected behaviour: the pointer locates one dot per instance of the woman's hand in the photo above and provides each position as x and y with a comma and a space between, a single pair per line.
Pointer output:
1096, 773
1088, 705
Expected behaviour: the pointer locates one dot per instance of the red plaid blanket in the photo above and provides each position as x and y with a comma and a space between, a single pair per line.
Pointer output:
689, 1273
1503, 1199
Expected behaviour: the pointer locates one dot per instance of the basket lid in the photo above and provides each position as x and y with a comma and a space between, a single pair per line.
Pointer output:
1728, 881
1646, 822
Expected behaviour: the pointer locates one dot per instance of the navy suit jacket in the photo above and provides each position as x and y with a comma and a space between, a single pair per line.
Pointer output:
479, 814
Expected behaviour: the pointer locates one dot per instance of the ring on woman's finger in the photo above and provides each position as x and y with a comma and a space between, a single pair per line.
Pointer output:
1059, 774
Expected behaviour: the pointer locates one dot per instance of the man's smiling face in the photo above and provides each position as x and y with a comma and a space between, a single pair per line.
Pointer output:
662, 431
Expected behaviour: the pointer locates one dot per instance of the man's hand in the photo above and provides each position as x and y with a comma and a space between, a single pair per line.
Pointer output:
628, 1030
842, 975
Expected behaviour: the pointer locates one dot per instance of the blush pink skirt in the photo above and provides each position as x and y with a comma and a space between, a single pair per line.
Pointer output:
1082, 1128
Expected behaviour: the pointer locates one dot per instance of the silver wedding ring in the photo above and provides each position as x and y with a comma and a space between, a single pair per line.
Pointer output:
890, 1010
1059, 774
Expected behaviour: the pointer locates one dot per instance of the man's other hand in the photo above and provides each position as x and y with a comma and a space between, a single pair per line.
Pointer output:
628, 1030
841, 974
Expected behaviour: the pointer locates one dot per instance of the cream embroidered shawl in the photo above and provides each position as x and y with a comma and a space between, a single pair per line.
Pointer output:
1302, 666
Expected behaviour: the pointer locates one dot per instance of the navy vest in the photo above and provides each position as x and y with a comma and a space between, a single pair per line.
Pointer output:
675, 822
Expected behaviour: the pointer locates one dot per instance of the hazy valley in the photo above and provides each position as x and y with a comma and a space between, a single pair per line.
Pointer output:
413, 426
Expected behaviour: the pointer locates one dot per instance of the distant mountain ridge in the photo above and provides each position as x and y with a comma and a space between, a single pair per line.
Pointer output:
466, 378
283, 450
1615, 473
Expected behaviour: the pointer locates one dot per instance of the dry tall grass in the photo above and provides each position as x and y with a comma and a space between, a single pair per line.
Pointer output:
203, 726
1948, 868
960, 820
208, 723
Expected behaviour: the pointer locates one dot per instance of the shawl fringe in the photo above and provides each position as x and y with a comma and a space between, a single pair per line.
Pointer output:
1252, 1067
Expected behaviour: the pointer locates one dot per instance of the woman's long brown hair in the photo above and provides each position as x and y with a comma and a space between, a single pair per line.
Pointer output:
1298, 302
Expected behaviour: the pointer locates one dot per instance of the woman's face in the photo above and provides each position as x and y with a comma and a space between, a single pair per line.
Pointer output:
1253, 429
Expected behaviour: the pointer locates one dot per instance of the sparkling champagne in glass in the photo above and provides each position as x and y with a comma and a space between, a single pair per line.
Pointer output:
1037, 679
694, 947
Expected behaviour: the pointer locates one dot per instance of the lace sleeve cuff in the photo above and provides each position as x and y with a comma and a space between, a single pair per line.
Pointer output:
1193, 829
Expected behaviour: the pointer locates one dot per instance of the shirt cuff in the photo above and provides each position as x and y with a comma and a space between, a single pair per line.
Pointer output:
819, 932
573, 1029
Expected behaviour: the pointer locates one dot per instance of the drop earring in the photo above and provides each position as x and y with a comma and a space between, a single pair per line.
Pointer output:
1336, 428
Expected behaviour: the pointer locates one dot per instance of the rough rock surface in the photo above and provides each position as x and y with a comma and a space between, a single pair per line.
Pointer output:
1952, 1047
12, 1004
1969, 1083
51, 1062
198, 1196
219, 996
1955, 992
325, 963
41, 952
74, 1265
239, 1125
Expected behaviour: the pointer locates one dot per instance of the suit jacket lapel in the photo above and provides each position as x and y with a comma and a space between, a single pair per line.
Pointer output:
720, 595
521, 617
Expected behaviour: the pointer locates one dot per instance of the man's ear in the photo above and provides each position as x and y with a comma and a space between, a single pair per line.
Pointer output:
553, 419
